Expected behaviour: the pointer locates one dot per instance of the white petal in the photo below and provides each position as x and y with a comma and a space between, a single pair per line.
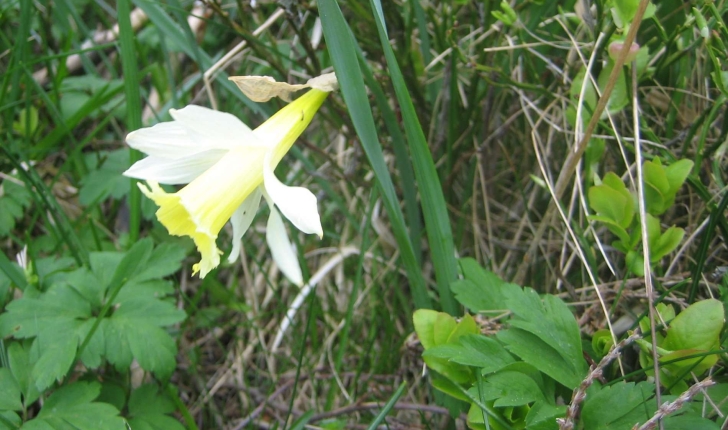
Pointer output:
213, 129
175, 171
241, 220
281, 248
166, 139
296, 203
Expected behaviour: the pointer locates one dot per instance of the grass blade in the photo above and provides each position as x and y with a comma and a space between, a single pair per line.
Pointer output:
388, 407
133, 107
343, 55
437, 221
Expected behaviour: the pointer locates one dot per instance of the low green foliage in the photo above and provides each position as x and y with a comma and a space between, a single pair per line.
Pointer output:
516, 377
616, 208
687, 344
110, 313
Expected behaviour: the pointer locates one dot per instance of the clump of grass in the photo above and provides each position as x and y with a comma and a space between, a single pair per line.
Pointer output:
449, 138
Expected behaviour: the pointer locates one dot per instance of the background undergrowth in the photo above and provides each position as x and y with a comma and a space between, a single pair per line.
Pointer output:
453, 135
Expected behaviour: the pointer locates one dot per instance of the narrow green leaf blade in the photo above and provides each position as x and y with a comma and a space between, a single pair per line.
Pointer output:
343, 55
437, 221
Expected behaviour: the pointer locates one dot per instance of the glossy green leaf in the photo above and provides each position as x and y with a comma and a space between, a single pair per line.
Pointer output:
612, 200
697, 327
668, 242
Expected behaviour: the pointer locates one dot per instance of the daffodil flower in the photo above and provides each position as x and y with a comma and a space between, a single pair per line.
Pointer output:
228, 168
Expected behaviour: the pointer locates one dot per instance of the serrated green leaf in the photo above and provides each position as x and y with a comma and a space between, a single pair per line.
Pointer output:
20, 366
551, 320
92, 355
118, 351
151, 346
147, 408
542, 416
10, 398
481, 290
149, 312
54, 351
473, 350
87, 284
165, 260
27, 317
105, 179
9, 420
14, 199
540, 355
149, 290
53, 319
617, 407
72, 407
508, 388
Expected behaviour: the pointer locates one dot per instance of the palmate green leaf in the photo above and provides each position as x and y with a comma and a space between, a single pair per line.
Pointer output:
53, 320
508, 388
14, 199
134, 330
105, 177
61, 320
542, 416
72, 407
9, 420
53, 352
10, 398
481, 290
21, 366
534, 351
148, 409
619, 406
549, 319
474, 350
